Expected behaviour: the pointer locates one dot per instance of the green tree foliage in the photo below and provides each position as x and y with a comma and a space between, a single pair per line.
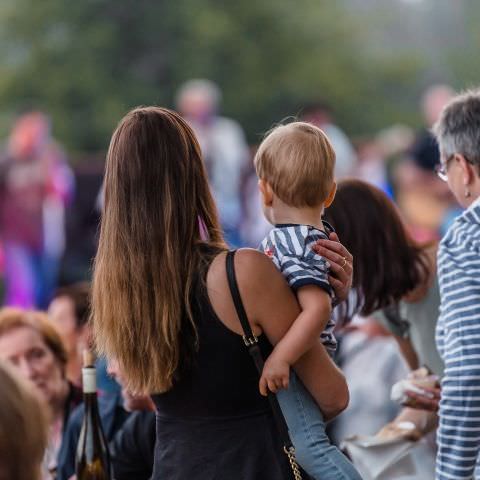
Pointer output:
86, 62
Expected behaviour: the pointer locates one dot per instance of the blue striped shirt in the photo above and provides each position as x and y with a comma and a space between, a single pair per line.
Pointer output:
458, 342
290, 248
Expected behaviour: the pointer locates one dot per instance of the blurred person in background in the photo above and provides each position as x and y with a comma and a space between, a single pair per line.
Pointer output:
371, 166
397, 277
395, 280
69, 311
424, 152
458, 334
23, 428
224, 150
425, 201
320, 114
35, 184
366, 346
393, 142
114, 409
30, 343
254, 226
82, 218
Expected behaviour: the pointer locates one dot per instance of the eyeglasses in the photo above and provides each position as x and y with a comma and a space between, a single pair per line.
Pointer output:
441, 168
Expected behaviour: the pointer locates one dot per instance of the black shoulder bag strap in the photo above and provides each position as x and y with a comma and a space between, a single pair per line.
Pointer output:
251, 342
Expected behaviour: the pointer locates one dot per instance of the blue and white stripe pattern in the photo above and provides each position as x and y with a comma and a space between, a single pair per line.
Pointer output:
290, 248
458, 342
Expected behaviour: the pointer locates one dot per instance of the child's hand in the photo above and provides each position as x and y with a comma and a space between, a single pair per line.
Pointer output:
275, 375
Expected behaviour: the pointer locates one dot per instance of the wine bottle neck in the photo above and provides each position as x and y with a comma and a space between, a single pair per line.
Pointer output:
90, 405
89, 380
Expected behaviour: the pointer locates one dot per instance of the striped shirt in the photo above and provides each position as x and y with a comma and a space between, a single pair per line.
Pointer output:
458, 342
290, 248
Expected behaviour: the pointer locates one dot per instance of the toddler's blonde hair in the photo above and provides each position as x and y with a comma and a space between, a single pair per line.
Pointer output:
298, 162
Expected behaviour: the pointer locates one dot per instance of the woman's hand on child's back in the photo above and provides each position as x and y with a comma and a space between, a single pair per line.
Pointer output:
341, 265
275, 375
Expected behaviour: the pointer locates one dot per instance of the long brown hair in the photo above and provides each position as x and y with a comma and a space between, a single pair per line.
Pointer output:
387, 262
158, 207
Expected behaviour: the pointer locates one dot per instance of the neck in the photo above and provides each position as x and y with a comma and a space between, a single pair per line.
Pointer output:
57, 405
421, 290
475, 195
282, 213
74, 370
474, 189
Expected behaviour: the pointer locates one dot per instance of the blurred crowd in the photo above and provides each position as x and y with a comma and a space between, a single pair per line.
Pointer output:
49, 213
49, 210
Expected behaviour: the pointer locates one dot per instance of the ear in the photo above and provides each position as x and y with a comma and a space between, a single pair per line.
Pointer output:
331, 195
85, 335
468, 170
266, 191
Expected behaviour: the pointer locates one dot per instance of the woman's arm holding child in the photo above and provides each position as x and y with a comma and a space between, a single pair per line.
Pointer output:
316, 310
273, 312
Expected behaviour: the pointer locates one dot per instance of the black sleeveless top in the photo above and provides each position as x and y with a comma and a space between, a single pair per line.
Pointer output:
213, 423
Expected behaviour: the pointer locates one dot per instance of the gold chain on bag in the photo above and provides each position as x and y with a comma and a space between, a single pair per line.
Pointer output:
293, 462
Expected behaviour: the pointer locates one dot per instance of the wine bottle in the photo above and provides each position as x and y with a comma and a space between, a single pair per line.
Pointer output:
93, 459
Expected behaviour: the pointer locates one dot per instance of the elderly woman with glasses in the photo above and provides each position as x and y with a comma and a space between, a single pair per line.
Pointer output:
458, 329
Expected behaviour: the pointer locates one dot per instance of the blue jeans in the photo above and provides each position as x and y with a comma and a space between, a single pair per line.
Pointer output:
314, 452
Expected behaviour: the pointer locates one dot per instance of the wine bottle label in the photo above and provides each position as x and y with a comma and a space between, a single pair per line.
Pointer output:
89, 377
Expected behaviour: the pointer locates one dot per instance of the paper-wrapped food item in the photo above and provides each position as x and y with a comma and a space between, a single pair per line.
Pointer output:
416, 382
390, 459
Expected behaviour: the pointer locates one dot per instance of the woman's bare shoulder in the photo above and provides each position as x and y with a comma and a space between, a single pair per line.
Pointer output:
253, 269
261, 285
248, 260
255, 266
251, 258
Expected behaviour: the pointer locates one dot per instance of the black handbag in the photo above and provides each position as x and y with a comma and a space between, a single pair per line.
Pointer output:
251, 342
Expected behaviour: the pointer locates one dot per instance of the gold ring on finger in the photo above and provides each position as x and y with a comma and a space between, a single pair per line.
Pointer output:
344, 262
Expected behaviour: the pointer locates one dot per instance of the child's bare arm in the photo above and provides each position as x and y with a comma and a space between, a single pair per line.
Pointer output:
324, 380
316, 308
302, 335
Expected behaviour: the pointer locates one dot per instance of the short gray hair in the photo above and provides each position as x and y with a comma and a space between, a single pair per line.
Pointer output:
458, 128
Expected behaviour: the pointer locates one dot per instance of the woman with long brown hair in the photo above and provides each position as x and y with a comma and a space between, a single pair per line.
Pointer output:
393, 273
394, 279
162, 307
